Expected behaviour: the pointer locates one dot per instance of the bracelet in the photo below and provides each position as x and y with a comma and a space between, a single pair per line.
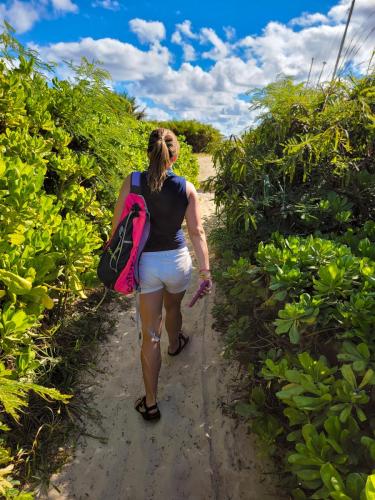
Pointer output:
204, 275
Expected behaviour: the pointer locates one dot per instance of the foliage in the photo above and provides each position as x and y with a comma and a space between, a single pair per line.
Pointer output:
295, 197
202, 137
65, 147
322, 139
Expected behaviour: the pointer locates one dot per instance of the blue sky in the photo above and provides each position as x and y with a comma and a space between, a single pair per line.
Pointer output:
246, 17
196, 59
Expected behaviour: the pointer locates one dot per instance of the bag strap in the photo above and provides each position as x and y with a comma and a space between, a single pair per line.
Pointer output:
135, 186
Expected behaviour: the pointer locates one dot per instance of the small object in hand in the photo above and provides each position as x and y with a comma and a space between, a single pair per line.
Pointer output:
200, 292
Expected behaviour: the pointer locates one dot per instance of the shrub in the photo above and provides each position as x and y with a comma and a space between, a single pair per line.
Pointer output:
307, 167
201, 136
65, 148
295, 197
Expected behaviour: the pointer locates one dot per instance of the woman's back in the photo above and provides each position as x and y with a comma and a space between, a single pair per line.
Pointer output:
165, 265
167, 209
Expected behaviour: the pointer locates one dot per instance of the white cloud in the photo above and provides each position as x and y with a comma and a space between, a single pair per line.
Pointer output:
157, 114
189, 52
230, 32
147, 31
188, 49
360, 38
220, 49
23, 15
363, 9
185, 29
124, 61
214, 93
307, 19
64, 5
107, 4
176, 37
281, 50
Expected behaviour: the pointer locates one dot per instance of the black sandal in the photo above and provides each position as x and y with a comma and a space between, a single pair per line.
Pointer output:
147, 412
182, 341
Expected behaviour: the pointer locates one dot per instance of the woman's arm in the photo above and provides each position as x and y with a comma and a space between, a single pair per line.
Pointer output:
195, 227
124, 191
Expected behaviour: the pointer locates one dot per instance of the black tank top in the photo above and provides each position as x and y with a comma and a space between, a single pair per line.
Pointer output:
167, 211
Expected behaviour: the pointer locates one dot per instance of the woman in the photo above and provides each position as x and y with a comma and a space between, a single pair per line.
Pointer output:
165, 265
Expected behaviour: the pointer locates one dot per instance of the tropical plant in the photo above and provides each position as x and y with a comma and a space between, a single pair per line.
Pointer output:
202, 137
295, 198
65, 148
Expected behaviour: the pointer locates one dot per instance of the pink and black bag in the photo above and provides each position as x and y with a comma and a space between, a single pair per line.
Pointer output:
118, 267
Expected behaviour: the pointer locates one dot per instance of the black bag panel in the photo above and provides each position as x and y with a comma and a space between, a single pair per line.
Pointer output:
116, 255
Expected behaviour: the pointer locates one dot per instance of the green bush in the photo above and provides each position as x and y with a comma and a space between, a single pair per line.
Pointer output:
305, 316
307, 167
202, 137
295, 197
65, 148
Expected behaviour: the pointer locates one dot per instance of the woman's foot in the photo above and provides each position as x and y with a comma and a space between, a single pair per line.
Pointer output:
148, 412
182, 341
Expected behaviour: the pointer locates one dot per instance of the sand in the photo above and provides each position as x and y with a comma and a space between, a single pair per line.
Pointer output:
196, 451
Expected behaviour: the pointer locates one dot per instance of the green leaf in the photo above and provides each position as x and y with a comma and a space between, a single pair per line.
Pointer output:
308, 474
244, 410
348, 375
333, 271
331, 478
283, 325
310, 403
293, 436
370, 444
295, 416
258, 396
320, 493
2, 167
280, 296
344, 415
363, 350
355, 483
360, 414
16, 238
289, 391
298, 459
298, 494
370, 487
339, 495
294, 335
332, 426
359, 365
368, 378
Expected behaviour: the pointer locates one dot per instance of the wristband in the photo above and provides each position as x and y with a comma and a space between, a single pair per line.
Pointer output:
205, 275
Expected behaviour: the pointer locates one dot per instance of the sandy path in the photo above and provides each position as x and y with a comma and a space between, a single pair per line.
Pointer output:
195, 451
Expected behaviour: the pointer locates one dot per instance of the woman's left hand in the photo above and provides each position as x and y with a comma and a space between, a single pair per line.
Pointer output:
205, 276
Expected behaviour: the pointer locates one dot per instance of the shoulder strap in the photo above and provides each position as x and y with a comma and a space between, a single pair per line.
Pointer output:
135, 183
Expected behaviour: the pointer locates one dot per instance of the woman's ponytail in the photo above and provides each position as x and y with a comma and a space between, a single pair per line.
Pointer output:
162, 147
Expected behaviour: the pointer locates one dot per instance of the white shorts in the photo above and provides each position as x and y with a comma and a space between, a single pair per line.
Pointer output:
168, 268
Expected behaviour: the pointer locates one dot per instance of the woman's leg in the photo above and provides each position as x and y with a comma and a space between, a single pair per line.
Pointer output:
173, 317
150, 308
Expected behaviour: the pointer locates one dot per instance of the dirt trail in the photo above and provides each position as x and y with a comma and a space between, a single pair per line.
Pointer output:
195, 451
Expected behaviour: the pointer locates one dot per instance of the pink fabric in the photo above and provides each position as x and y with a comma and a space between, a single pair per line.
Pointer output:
125, 282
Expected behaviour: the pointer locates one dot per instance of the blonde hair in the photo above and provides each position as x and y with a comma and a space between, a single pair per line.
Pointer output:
162, 147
